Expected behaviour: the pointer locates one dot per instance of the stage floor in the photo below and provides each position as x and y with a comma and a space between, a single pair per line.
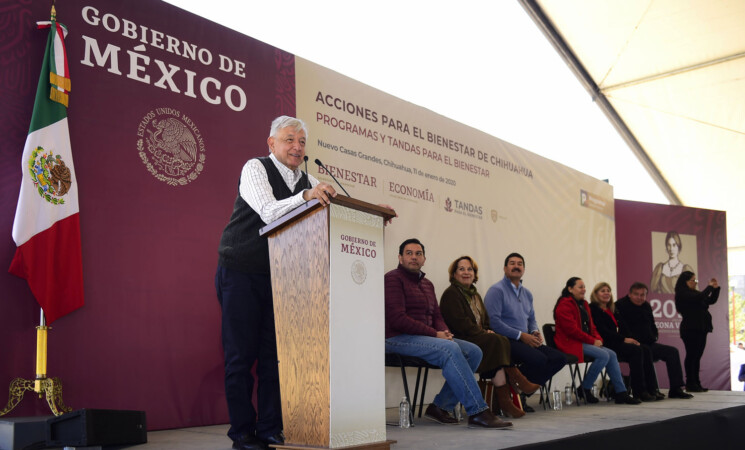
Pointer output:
533, 428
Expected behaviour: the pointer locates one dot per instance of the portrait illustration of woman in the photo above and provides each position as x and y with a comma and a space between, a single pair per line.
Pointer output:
665, 274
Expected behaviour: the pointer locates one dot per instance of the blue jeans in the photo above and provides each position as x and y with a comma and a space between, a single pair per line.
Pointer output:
604, 357
458, 360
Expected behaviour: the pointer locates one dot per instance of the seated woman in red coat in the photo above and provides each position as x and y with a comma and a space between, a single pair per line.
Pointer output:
576, 335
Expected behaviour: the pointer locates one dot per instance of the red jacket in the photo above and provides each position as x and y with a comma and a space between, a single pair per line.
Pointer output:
569, 335
411, 305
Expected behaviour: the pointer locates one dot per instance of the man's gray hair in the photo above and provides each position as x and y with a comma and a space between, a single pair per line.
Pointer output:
287, 121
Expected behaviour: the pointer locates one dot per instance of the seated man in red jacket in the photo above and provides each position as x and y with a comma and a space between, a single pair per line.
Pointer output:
414, 327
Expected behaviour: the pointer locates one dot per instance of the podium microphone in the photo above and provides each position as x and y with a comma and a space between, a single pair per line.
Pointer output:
307, 177
318, 161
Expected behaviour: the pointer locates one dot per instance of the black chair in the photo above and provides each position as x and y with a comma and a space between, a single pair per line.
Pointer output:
403, 361
543, 398
549, 331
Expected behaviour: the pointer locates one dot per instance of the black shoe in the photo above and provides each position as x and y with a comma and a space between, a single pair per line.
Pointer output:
524, 399
624, 398
678, 393
696, 388
647, 397
276, 439
249, 443
658, 395
587, 395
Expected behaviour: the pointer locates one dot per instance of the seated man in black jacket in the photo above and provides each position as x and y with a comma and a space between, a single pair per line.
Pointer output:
638, 323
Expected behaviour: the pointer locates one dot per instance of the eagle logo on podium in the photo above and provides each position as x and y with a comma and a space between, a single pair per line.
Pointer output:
359, 271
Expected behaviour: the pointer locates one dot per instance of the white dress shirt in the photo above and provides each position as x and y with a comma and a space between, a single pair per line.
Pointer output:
257, 192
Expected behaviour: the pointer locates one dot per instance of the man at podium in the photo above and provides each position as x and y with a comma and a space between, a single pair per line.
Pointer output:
415, 327
269, 187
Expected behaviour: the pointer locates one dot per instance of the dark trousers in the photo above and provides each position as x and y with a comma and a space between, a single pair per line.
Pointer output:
671, 357
641, 367
247, 338
695, 342
538, 364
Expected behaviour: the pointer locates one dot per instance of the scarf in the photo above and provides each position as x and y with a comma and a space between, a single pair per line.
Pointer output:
474, 301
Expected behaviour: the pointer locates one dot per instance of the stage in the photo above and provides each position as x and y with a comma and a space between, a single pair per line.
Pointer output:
664, 424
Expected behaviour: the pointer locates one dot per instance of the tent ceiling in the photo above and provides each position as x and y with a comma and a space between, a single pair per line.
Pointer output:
671, 75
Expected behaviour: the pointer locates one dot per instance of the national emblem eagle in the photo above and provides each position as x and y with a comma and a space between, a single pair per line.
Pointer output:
173, 136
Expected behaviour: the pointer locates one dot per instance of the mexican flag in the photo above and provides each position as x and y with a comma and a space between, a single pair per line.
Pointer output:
47, 225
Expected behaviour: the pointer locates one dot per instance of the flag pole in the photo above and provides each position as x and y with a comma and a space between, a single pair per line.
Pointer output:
41, 385
41, 353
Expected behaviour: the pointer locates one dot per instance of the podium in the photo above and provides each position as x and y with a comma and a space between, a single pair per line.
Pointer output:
327, 270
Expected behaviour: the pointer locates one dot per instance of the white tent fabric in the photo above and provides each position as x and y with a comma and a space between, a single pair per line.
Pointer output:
672, 73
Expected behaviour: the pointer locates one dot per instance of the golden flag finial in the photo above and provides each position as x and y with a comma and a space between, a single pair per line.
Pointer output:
53, 14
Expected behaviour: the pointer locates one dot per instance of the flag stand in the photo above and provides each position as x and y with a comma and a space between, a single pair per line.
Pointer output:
52, 387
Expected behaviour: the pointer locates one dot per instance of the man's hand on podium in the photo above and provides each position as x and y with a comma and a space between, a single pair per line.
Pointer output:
394, 212
323, 192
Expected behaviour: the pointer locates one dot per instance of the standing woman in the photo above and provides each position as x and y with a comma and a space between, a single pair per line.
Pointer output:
576, 334
639, 357
465, 315
694, 307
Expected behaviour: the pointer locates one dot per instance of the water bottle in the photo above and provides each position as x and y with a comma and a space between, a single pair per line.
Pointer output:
557, 400
568, 394
404, 413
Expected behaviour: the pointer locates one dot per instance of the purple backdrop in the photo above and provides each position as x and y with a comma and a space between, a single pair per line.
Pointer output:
635, 223
148, 337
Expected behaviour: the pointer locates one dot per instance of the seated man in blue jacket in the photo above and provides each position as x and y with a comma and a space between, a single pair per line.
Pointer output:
511, 313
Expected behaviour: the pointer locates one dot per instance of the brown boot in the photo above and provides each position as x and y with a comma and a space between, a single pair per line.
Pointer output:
519, 382
505, 402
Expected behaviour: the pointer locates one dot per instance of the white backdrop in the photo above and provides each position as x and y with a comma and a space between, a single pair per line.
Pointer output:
460, 191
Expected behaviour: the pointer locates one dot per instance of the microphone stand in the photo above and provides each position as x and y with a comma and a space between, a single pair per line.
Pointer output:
307, 177
318, 161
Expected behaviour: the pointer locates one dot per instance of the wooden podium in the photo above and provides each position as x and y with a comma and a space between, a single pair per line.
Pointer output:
327, 270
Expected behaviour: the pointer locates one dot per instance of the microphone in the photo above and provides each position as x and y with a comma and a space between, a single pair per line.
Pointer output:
318, 161
307, 178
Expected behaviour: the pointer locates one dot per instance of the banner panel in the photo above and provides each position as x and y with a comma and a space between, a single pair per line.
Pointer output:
655, 244
459, 190
167, 108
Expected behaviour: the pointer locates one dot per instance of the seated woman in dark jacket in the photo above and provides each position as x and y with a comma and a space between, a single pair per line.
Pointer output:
576, 334
465, 315
643, 376
694, 307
